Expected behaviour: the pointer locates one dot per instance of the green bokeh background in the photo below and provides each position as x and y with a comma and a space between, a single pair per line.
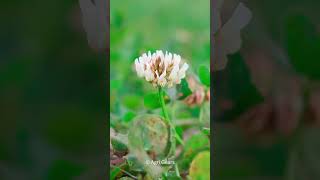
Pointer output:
139, 26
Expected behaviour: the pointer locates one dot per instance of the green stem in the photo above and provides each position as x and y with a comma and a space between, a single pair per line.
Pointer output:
166, 116
163, 105
177, 170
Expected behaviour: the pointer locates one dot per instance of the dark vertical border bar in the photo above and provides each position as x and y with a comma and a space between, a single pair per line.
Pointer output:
108, 89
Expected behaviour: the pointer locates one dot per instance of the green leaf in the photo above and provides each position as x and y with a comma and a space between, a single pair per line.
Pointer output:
151, 101
303, 44
206, 131
238, 88
194, 145
195, 142
128, 116
118, 145
132, 102
115, 84
171, 175
204, 75
134, 163
183, 88
200, 166
114, 172
154, 132
179, 131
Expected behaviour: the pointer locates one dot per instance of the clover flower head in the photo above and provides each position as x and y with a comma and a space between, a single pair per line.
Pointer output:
161, 69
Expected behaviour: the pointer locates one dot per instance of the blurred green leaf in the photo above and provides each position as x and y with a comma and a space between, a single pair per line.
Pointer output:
184, 89
171, 175
194, 145
151, 101
206, 131
204, 75
118, 145
132, 101
128, 116
200, 167
134, 163
115, 84
114, 172
152, 131
179, 131
303, 44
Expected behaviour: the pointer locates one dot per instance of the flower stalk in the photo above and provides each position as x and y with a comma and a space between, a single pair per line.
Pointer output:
165, 114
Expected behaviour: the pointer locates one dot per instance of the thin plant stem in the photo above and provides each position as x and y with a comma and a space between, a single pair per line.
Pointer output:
166, 116
124, 171
177, 170
163, 105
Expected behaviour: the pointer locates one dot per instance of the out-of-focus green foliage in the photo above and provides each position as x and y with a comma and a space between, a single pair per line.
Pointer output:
204, 75
151, 101
303, 44
184, 89
194, 145
200, 166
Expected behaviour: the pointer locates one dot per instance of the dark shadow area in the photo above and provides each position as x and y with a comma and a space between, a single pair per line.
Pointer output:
53, 99
266, 109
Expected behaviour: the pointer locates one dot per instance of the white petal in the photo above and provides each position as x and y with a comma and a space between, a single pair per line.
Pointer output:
139, 68
176, 59
148, 73
182, 71
162, 80
174, 73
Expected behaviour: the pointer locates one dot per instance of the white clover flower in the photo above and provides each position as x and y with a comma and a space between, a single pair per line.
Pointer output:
161, 69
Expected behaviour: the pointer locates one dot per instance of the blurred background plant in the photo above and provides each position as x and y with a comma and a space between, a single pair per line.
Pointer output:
267, 97
176, 26
52, 94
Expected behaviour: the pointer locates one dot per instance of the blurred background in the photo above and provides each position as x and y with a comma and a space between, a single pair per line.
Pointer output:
266, 107
141, 26
52, 86
52, 94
